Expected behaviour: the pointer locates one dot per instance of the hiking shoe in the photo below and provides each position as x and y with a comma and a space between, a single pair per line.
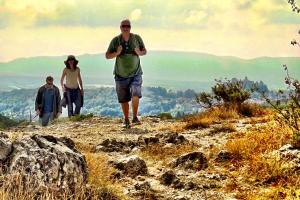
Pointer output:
126, 123
136, 120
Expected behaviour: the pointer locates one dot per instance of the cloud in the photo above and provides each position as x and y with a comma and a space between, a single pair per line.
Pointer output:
230, 26
195, 17
135, 15
167, 14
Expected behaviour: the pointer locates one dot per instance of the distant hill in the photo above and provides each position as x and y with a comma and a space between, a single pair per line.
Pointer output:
176, 70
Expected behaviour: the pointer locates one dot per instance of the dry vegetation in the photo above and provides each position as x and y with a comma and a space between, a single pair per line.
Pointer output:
220, 113
253, 173
260, 171
160, 152
16, 188
226, 127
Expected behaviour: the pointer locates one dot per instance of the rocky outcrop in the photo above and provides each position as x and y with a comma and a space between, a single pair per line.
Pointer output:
116, 146
126, 146
5, 147
174, 138
169, 178
224, 156
132, 166
44, 160
290, 155
194, 161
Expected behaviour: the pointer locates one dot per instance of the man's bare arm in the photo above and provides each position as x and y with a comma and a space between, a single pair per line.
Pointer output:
111, 55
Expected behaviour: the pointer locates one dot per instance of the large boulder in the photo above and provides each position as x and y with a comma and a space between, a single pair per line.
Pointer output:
43, 160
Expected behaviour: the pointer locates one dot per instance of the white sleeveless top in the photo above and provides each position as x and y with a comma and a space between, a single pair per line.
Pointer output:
71, 78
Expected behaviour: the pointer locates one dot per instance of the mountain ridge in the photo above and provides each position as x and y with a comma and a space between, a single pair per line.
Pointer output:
171, 69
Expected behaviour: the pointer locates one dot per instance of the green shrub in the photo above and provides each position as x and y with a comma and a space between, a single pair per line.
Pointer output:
227, 92
6, 122
165, 116
81, 117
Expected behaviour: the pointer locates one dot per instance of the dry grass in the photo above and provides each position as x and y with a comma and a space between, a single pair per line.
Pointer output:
209, 117
258, 140
288, 191
84, 147
221, 113
16, 188
261, 170
175, 128
100, 174
159, 152
199, 121
253, 110
226, 127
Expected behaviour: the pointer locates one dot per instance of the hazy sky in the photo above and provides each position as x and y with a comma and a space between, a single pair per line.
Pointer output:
243, 28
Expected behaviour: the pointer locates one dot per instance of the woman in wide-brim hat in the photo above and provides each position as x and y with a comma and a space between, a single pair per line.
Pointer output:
72, 88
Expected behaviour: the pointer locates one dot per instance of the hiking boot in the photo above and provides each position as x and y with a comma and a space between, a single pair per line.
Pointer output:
136, 120
126, 123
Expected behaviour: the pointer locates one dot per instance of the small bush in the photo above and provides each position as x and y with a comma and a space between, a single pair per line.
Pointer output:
6, 122
81, 117
224, 92
253, 110
165, 116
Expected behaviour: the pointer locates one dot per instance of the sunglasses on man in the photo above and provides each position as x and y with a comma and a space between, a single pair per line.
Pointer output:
126, 26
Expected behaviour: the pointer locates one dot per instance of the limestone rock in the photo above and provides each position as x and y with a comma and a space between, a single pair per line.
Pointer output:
132, 166
45, 160
175, 138
224, 156
5, 147
169, 178
194, 161
291, 155
116, 146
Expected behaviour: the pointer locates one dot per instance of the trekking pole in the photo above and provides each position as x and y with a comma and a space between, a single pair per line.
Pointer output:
34, 116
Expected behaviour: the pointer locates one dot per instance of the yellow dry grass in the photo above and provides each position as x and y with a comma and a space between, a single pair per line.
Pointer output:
159, 152
100, 174
266, 176
258, 140
209, 117
226, 127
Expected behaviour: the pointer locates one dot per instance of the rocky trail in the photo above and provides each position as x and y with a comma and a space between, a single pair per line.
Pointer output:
154, 160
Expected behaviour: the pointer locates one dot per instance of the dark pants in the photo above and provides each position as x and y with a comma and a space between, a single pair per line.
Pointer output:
47, 117
74, 96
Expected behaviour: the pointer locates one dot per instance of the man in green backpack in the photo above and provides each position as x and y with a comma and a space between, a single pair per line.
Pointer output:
126, 48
